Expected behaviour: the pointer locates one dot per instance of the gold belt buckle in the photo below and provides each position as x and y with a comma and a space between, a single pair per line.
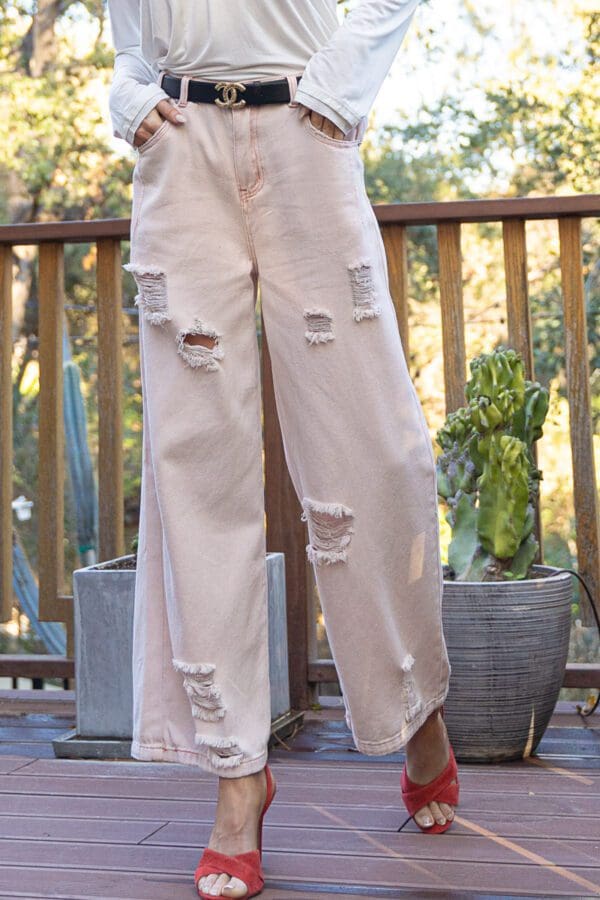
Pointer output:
230, 89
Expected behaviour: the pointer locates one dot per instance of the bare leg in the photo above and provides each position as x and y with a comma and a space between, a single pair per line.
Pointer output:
239, 804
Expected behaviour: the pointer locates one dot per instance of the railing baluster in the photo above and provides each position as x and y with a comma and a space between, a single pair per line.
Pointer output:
395, 243
6, 433
520, 333
585, 491
517, 292
286, 534
110, 398
51, 435
453, 317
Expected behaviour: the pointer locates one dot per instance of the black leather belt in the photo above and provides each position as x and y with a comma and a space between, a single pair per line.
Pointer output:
231, 94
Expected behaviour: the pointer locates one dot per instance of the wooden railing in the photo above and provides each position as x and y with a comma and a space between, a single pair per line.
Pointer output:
285, 531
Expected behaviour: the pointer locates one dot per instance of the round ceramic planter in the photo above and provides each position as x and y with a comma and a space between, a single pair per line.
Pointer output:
508, 643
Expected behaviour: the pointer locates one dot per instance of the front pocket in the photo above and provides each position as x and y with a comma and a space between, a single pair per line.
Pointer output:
340, 144
155, 136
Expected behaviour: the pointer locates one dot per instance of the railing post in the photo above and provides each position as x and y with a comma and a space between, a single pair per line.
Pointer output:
53, 607
585, 490
6, 433
453, 317
517, 291
286, 533
110, 398
518, 315
395, 243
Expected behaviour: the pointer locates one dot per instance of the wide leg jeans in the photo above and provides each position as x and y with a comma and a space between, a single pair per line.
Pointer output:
233, 199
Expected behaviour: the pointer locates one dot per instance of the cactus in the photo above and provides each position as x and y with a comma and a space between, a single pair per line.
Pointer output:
486, 474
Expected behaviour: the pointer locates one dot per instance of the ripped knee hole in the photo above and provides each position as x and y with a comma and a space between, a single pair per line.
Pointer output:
319, 326
200, 346
330, 529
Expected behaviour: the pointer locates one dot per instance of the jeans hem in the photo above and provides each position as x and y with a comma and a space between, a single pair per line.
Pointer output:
400, 738
160, 753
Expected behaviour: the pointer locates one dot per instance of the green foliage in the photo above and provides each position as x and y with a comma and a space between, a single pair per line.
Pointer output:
533, 129
56, 143
538, 128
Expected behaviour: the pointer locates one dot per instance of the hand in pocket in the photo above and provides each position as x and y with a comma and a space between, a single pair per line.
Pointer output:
323, 124
164, 109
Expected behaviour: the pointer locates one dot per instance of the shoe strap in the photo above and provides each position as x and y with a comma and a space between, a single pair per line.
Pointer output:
246, 866
416, 796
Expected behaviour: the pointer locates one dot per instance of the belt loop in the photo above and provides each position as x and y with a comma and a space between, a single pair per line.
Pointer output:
293, 83
183, 92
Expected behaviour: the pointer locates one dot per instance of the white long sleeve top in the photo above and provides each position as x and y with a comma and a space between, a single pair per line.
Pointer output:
342, 65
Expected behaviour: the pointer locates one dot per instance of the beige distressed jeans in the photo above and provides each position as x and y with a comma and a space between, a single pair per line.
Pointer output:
233, 198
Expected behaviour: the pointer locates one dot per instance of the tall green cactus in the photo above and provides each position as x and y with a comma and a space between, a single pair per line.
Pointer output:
486, 473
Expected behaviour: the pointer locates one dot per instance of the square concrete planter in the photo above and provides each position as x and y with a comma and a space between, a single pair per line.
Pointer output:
103, 619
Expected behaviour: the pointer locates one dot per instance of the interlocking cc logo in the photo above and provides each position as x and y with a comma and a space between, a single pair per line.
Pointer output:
230, 89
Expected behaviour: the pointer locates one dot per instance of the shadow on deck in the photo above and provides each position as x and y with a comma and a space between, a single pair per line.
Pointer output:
120, 830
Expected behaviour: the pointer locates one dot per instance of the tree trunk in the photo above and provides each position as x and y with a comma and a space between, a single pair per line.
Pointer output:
44, 47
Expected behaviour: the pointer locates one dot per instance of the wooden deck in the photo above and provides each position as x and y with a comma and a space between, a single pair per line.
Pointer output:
83, 829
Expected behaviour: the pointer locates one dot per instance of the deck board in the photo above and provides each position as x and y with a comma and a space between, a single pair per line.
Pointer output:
128, 830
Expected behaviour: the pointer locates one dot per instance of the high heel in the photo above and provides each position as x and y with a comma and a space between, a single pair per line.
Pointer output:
246, 866
416, 796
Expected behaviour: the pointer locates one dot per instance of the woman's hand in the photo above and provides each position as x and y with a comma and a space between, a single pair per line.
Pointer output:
163, 110
325, 125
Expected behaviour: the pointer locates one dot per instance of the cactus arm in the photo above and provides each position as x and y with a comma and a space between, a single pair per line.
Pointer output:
503, 497
465, 542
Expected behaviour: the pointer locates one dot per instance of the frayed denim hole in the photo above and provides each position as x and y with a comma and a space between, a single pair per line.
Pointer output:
152, 298
363, 291
319, 326
330, 528
199, 346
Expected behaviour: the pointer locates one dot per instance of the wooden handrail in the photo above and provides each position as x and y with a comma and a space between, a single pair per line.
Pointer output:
428, 213
36, 665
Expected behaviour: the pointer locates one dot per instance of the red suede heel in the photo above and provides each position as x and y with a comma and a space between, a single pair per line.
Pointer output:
247, 866
416, 796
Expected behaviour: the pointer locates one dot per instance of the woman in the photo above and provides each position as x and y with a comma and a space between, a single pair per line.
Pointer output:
247, 118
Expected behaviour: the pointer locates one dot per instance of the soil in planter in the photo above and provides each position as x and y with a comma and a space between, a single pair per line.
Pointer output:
125, 563
448, 575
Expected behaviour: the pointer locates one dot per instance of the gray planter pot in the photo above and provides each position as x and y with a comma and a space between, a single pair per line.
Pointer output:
103, 596
508, 644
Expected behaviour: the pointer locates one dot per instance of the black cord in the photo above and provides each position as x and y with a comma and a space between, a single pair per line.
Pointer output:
587, 590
